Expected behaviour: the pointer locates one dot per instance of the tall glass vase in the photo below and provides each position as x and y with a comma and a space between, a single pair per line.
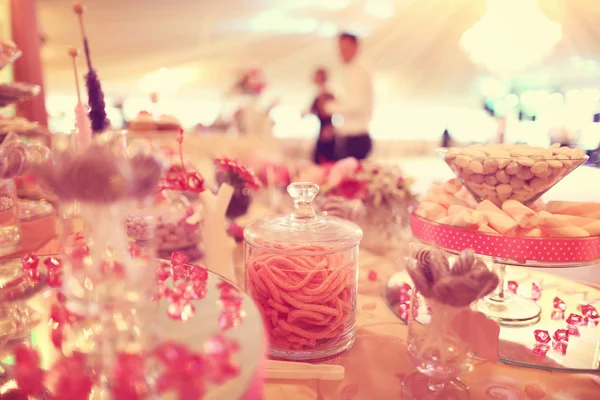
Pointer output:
437, 351
107, 285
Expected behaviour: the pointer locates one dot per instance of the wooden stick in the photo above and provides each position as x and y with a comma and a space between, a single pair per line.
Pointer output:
74, 53
79, 9
297, 370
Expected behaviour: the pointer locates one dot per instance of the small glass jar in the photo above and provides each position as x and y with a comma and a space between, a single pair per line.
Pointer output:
166, 228
302, 271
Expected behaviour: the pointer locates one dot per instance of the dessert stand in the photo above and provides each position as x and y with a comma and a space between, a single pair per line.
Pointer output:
517, 344
246, 329
514, 312
482, 175
507, 308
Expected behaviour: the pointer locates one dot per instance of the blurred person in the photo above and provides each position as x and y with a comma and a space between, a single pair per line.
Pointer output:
325, 146
446, 139
355, 106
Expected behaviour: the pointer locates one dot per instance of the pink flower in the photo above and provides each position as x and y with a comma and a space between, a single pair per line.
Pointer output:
351, 188
341, 170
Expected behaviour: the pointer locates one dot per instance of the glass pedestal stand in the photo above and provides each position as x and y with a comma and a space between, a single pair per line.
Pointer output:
508, 308
518, 344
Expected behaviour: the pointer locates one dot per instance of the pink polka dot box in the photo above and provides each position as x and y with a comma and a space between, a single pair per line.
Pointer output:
529, 251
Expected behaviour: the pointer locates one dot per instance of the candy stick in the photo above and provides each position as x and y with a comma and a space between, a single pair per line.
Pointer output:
95, 95
431, 211
525, 217
466, 219
548, 220
443, 199
533, 232
582, 209
218, 254
487, 229
452, 186
565, 231
591, 225
82, 121
455, 209
497, 218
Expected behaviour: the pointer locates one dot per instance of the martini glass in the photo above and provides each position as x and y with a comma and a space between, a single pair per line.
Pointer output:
497, 179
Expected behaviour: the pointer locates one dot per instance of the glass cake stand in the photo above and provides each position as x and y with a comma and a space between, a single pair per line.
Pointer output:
518, 344
245, 328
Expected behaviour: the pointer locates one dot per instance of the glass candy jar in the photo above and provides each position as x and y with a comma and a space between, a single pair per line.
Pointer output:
302, 271
169, 228
438, 352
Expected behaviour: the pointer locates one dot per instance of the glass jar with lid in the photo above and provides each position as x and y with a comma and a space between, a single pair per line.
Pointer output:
302, 271
168, 227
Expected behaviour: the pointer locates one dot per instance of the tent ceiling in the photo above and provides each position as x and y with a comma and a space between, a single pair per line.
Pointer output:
413, 44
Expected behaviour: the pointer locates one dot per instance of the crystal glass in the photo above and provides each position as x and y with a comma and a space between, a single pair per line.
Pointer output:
436, 350
302, 271
518, 177
10, 230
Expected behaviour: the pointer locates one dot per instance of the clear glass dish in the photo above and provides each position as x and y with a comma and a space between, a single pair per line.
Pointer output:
520, 174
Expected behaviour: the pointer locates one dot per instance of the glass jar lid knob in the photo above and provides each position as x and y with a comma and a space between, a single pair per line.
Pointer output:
303, 193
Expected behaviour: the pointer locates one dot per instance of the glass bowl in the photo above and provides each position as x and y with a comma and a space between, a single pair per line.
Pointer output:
502, 172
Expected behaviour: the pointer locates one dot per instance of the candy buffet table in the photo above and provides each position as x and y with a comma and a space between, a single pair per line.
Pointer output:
378, 361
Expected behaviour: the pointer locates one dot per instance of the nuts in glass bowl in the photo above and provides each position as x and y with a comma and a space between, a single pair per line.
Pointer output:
499, 172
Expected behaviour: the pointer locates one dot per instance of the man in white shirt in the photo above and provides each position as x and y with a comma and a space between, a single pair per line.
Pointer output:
355, 105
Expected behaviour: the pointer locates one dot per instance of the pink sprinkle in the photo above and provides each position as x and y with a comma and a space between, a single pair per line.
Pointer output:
560, 347
27, 371
404, 288
573, 331
558, 303
536, 291
227, 321
372, 275
53, 279
561, 335
541, 336
575, 319
558, 315
540, 349
589, 311
52, 263
30, 262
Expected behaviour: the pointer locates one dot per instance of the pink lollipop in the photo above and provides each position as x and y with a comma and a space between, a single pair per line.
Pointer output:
456, 291
463, 263
422, 256
14, 153
420, 279
438, 266
462, 290
487, 279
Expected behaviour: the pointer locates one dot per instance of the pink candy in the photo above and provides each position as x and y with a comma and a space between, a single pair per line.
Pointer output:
306, 301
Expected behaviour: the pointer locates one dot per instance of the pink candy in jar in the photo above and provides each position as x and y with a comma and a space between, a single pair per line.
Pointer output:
302, 271
168, 229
